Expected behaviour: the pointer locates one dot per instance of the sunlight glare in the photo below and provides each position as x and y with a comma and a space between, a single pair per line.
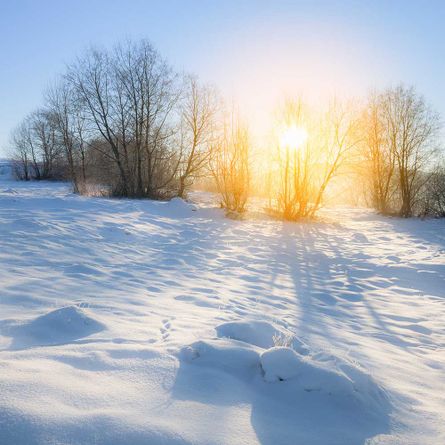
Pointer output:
293, 137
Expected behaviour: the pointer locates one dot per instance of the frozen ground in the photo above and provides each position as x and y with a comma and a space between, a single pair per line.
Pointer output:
130, 322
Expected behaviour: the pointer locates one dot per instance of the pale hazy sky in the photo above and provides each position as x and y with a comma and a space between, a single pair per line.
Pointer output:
254, 51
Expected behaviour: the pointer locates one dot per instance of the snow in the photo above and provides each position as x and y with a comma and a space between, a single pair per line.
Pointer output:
126, 321
260, 333
336, 379
281, 363
59, 326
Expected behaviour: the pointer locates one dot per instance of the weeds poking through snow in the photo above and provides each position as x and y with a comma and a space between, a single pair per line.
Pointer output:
283, 340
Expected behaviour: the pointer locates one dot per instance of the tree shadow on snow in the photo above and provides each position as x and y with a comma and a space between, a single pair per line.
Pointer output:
333, 284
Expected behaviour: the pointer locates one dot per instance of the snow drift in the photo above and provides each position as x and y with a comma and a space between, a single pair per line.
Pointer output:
318, 391
260, 333
57, 327
246, 351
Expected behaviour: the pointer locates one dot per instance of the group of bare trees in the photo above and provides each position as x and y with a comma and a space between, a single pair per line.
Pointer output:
391, 146
36, 147
124, 121
400, 147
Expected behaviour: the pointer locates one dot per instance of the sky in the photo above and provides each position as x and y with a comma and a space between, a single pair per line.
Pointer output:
255, 52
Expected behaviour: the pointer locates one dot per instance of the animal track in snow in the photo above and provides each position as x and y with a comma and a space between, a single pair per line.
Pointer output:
166, 328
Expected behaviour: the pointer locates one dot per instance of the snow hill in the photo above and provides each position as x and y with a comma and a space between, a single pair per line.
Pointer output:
138, 322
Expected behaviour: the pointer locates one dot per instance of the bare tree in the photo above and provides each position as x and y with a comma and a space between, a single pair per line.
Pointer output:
43, 125
91, 79
230, 166
340, 138
197, 123
36, 145
61, 102
70, 122
293, 192
21, 152
305, 167
412, 128
380, 159
147, 95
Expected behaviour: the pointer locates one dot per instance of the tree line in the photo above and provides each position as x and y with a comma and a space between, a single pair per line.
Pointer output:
123, 122
386, 148
123, 119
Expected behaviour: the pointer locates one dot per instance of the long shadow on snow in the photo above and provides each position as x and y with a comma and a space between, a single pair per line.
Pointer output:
330, 284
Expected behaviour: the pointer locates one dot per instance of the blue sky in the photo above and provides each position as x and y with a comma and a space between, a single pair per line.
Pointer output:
254, 51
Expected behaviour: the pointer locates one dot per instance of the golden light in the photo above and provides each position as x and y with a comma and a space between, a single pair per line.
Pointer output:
293, 137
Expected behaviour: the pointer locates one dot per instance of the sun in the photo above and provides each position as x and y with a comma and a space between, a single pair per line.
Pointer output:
293, 137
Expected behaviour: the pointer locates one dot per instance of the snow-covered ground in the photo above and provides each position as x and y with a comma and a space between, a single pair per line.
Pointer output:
136, 322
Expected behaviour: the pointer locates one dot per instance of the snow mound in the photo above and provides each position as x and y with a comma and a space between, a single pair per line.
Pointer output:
227, 355
10, 191
331, 377
321, 373
57, 327
180, 206
280, 363
316, 392
261, 334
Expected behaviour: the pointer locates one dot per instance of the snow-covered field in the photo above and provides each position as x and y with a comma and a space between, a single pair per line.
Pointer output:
136, 322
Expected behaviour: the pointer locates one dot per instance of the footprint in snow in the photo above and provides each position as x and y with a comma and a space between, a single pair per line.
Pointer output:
166, 328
